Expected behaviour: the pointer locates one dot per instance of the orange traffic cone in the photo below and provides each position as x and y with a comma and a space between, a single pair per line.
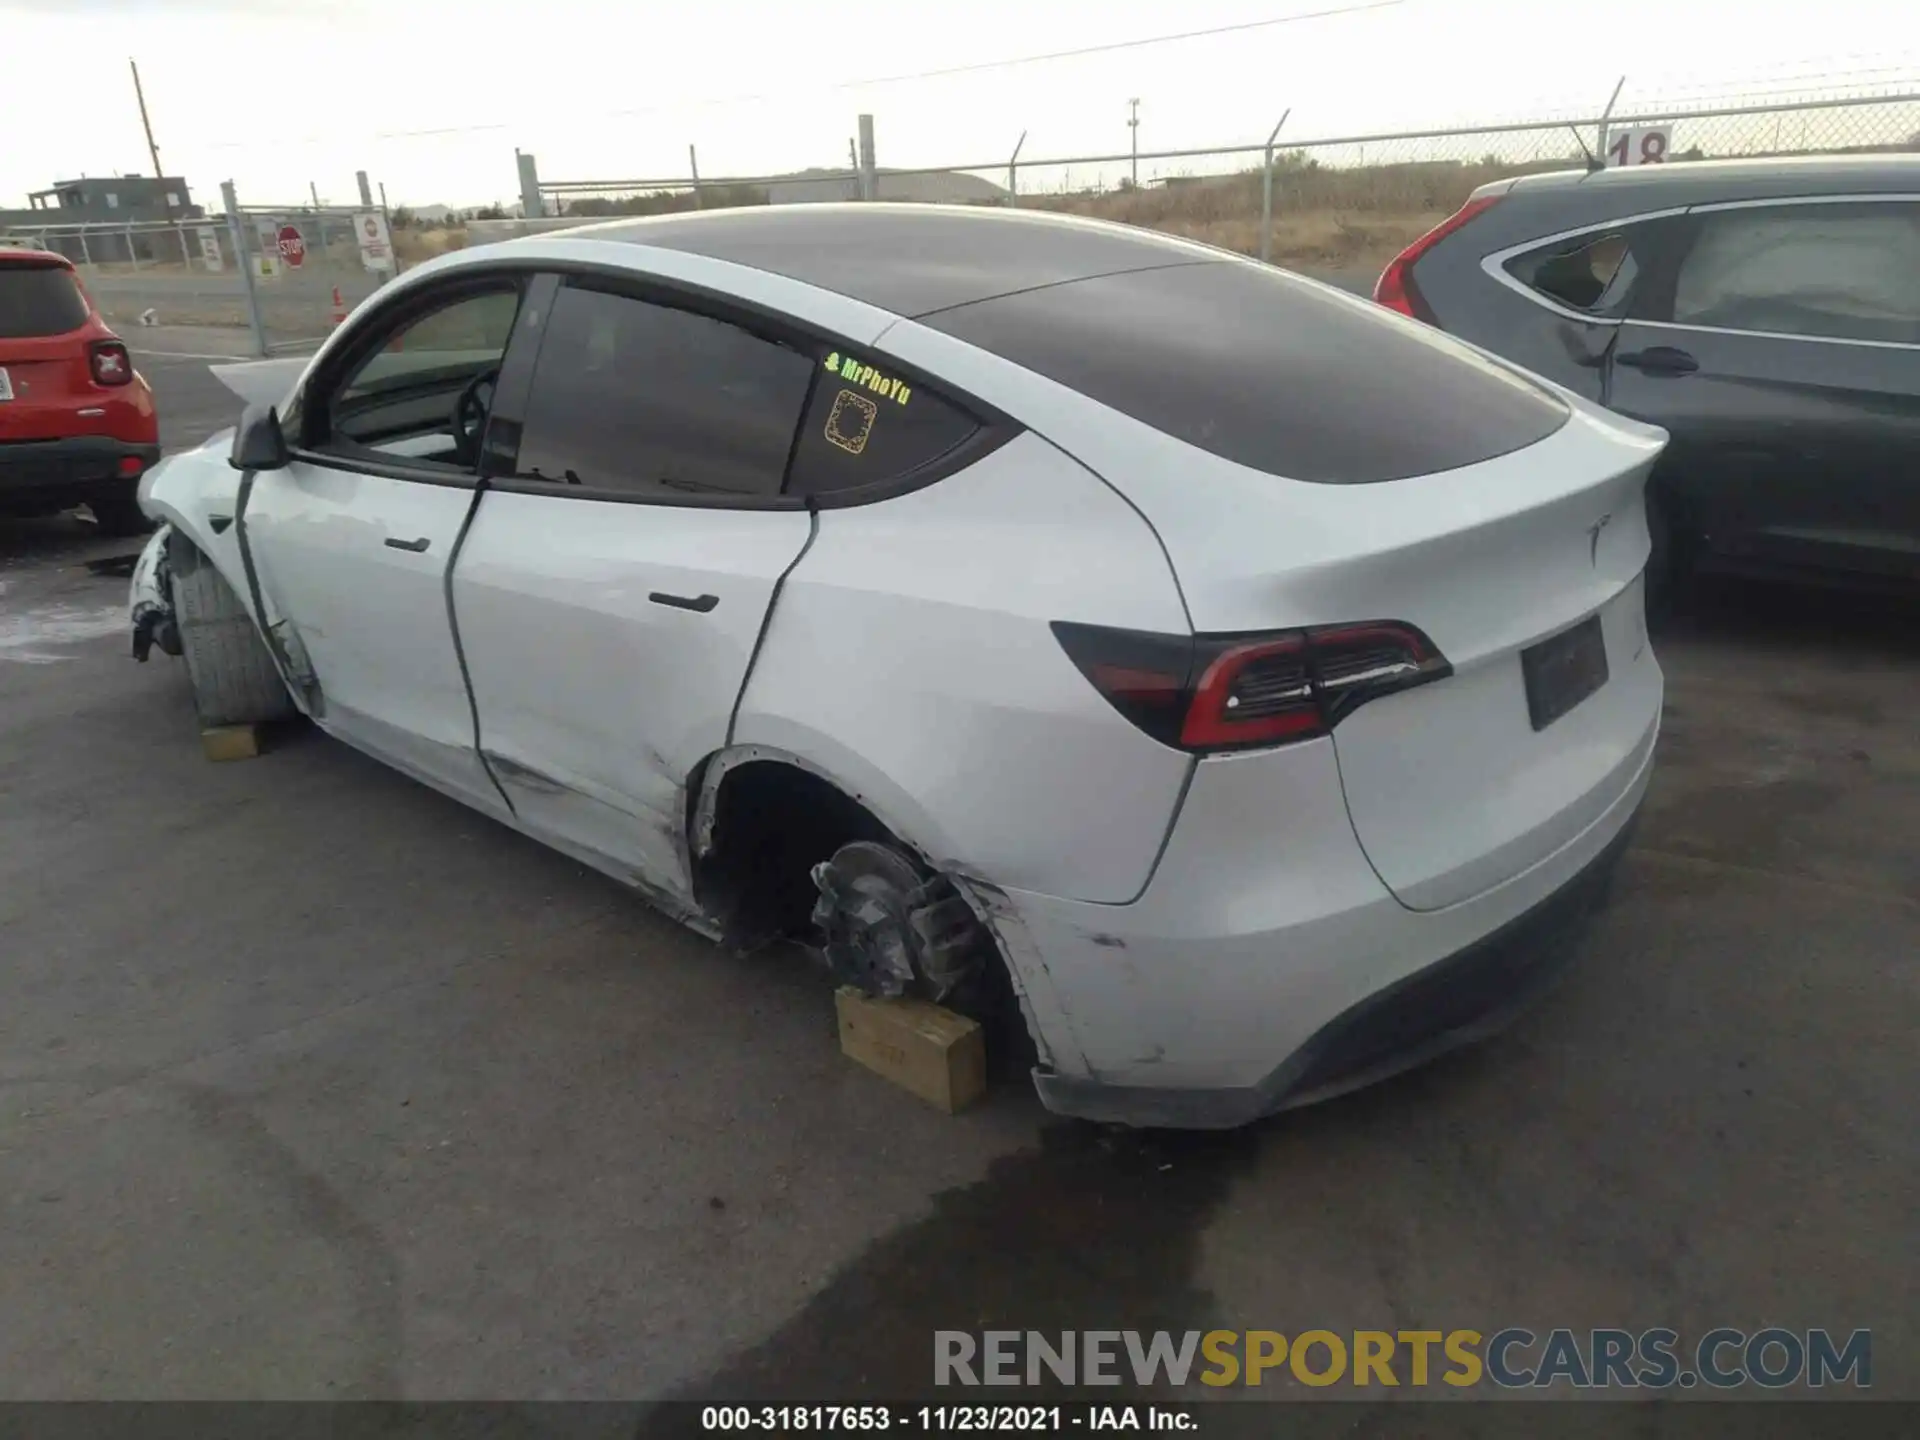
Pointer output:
339, 306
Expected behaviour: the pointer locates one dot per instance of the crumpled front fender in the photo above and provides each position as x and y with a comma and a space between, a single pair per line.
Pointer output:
150, 599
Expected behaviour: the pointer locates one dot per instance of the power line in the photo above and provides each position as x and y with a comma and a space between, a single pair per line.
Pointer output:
1121, 45
1108, 47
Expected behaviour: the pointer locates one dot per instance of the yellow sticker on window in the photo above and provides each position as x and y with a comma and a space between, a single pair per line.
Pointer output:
868, 378
850, 421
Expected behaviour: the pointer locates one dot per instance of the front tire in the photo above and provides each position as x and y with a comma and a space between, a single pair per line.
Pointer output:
234, 679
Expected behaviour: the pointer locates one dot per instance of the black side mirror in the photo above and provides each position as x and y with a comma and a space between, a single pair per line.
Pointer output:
259, 443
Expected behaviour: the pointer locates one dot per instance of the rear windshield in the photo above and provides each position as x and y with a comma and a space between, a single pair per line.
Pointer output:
39, 300
1263, 368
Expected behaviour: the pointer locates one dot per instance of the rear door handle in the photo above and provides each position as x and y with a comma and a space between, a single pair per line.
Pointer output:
1660, 360
701, 603
414, 545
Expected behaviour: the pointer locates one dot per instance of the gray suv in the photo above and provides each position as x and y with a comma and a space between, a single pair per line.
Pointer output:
1765, 312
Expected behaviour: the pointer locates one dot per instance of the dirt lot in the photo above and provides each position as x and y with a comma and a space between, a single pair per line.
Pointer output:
318, 1085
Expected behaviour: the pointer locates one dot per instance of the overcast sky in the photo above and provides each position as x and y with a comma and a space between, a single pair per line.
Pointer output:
432, 96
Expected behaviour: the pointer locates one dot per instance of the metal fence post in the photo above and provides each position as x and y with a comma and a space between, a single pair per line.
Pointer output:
133, 256
1266, 191
1600, 130
1013, 171
386, 216
693, 164
869, 173
531, 206
86, 255
238, 234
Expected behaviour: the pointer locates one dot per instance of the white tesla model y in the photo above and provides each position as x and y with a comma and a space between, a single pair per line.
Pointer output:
1251, 682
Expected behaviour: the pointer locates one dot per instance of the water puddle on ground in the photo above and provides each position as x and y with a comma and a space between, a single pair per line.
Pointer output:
34, 635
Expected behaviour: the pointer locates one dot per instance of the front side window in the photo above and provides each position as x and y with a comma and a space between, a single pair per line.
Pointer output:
1841, 271
1594, 273
422, 393
648, 400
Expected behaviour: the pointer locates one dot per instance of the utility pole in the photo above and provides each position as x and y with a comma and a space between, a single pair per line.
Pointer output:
166, 196
1133, 127
869, 175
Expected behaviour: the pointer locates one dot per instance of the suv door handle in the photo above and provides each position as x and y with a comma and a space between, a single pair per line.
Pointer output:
700, 603
414, 545
1660, 360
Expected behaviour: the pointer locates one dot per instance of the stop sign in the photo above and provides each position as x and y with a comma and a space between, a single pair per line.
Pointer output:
293, 246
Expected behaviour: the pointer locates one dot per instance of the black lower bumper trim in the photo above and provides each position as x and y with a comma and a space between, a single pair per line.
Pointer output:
1465, 997
83, 465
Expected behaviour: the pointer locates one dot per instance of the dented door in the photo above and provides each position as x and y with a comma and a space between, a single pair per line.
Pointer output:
606, 644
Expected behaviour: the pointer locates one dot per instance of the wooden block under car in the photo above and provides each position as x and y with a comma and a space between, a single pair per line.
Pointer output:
921, 1047
230, 742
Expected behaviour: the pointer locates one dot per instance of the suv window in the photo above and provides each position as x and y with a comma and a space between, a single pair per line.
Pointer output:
644, 399
1268, 370
867, 425
400, 399
38, 300
1841, 271
1595, 273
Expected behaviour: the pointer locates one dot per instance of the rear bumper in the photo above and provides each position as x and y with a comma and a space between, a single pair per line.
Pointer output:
1267, 966
1468, 996
74, 469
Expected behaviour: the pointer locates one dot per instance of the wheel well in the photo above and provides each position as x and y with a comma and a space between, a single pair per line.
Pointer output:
770, 823
756, 840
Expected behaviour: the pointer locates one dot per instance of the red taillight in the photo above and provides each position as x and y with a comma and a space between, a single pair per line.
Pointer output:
110, 363
129, 465
1396, 289
1207, 693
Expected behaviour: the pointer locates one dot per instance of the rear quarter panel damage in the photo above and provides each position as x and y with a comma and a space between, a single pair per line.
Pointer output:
910, 657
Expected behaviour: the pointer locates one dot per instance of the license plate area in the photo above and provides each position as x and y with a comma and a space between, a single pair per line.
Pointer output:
1563, 671
6, 384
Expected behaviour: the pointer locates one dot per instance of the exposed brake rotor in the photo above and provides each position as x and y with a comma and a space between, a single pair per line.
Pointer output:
889, 929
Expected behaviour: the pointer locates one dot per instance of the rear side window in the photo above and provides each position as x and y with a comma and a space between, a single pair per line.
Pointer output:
1267, 369
1845, 272
648, 400
38, 300
868, 425
1594, 273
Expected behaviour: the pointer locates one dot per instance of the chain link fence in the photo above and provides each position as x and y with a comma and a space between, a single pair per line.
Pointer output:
285, 273
1338, 206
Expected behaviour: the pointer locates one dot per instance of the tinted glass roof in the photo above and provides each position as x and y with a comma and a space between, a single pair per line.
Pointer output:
911, 259
1268, 370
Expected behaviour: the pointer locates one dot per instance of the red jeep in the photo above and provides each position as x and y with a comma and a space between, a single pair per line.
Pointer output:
77, 425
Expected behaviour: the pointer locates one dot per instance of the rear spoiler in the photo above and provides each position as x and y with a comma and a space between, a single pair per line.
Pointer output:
262, 382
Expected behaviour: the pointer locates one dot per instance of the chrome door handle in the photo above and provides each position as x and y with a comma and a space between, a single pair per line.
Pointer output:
414, 545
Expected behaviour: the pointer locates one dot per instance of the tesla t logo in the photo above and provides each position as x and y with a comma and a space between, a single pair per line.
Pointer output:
1593, 539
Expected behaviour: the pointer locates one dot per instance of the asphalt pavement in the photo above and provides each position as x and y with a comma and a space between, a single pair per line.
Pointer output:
193, 404
320, 1085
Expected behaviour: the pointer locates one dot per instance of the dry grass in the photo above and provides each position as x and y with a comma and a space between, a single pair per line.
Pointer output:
1324, 219
413, 246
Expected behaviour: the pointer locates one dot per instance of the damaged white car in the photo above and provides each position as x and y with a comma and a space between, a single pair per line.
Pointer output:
1251, 682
